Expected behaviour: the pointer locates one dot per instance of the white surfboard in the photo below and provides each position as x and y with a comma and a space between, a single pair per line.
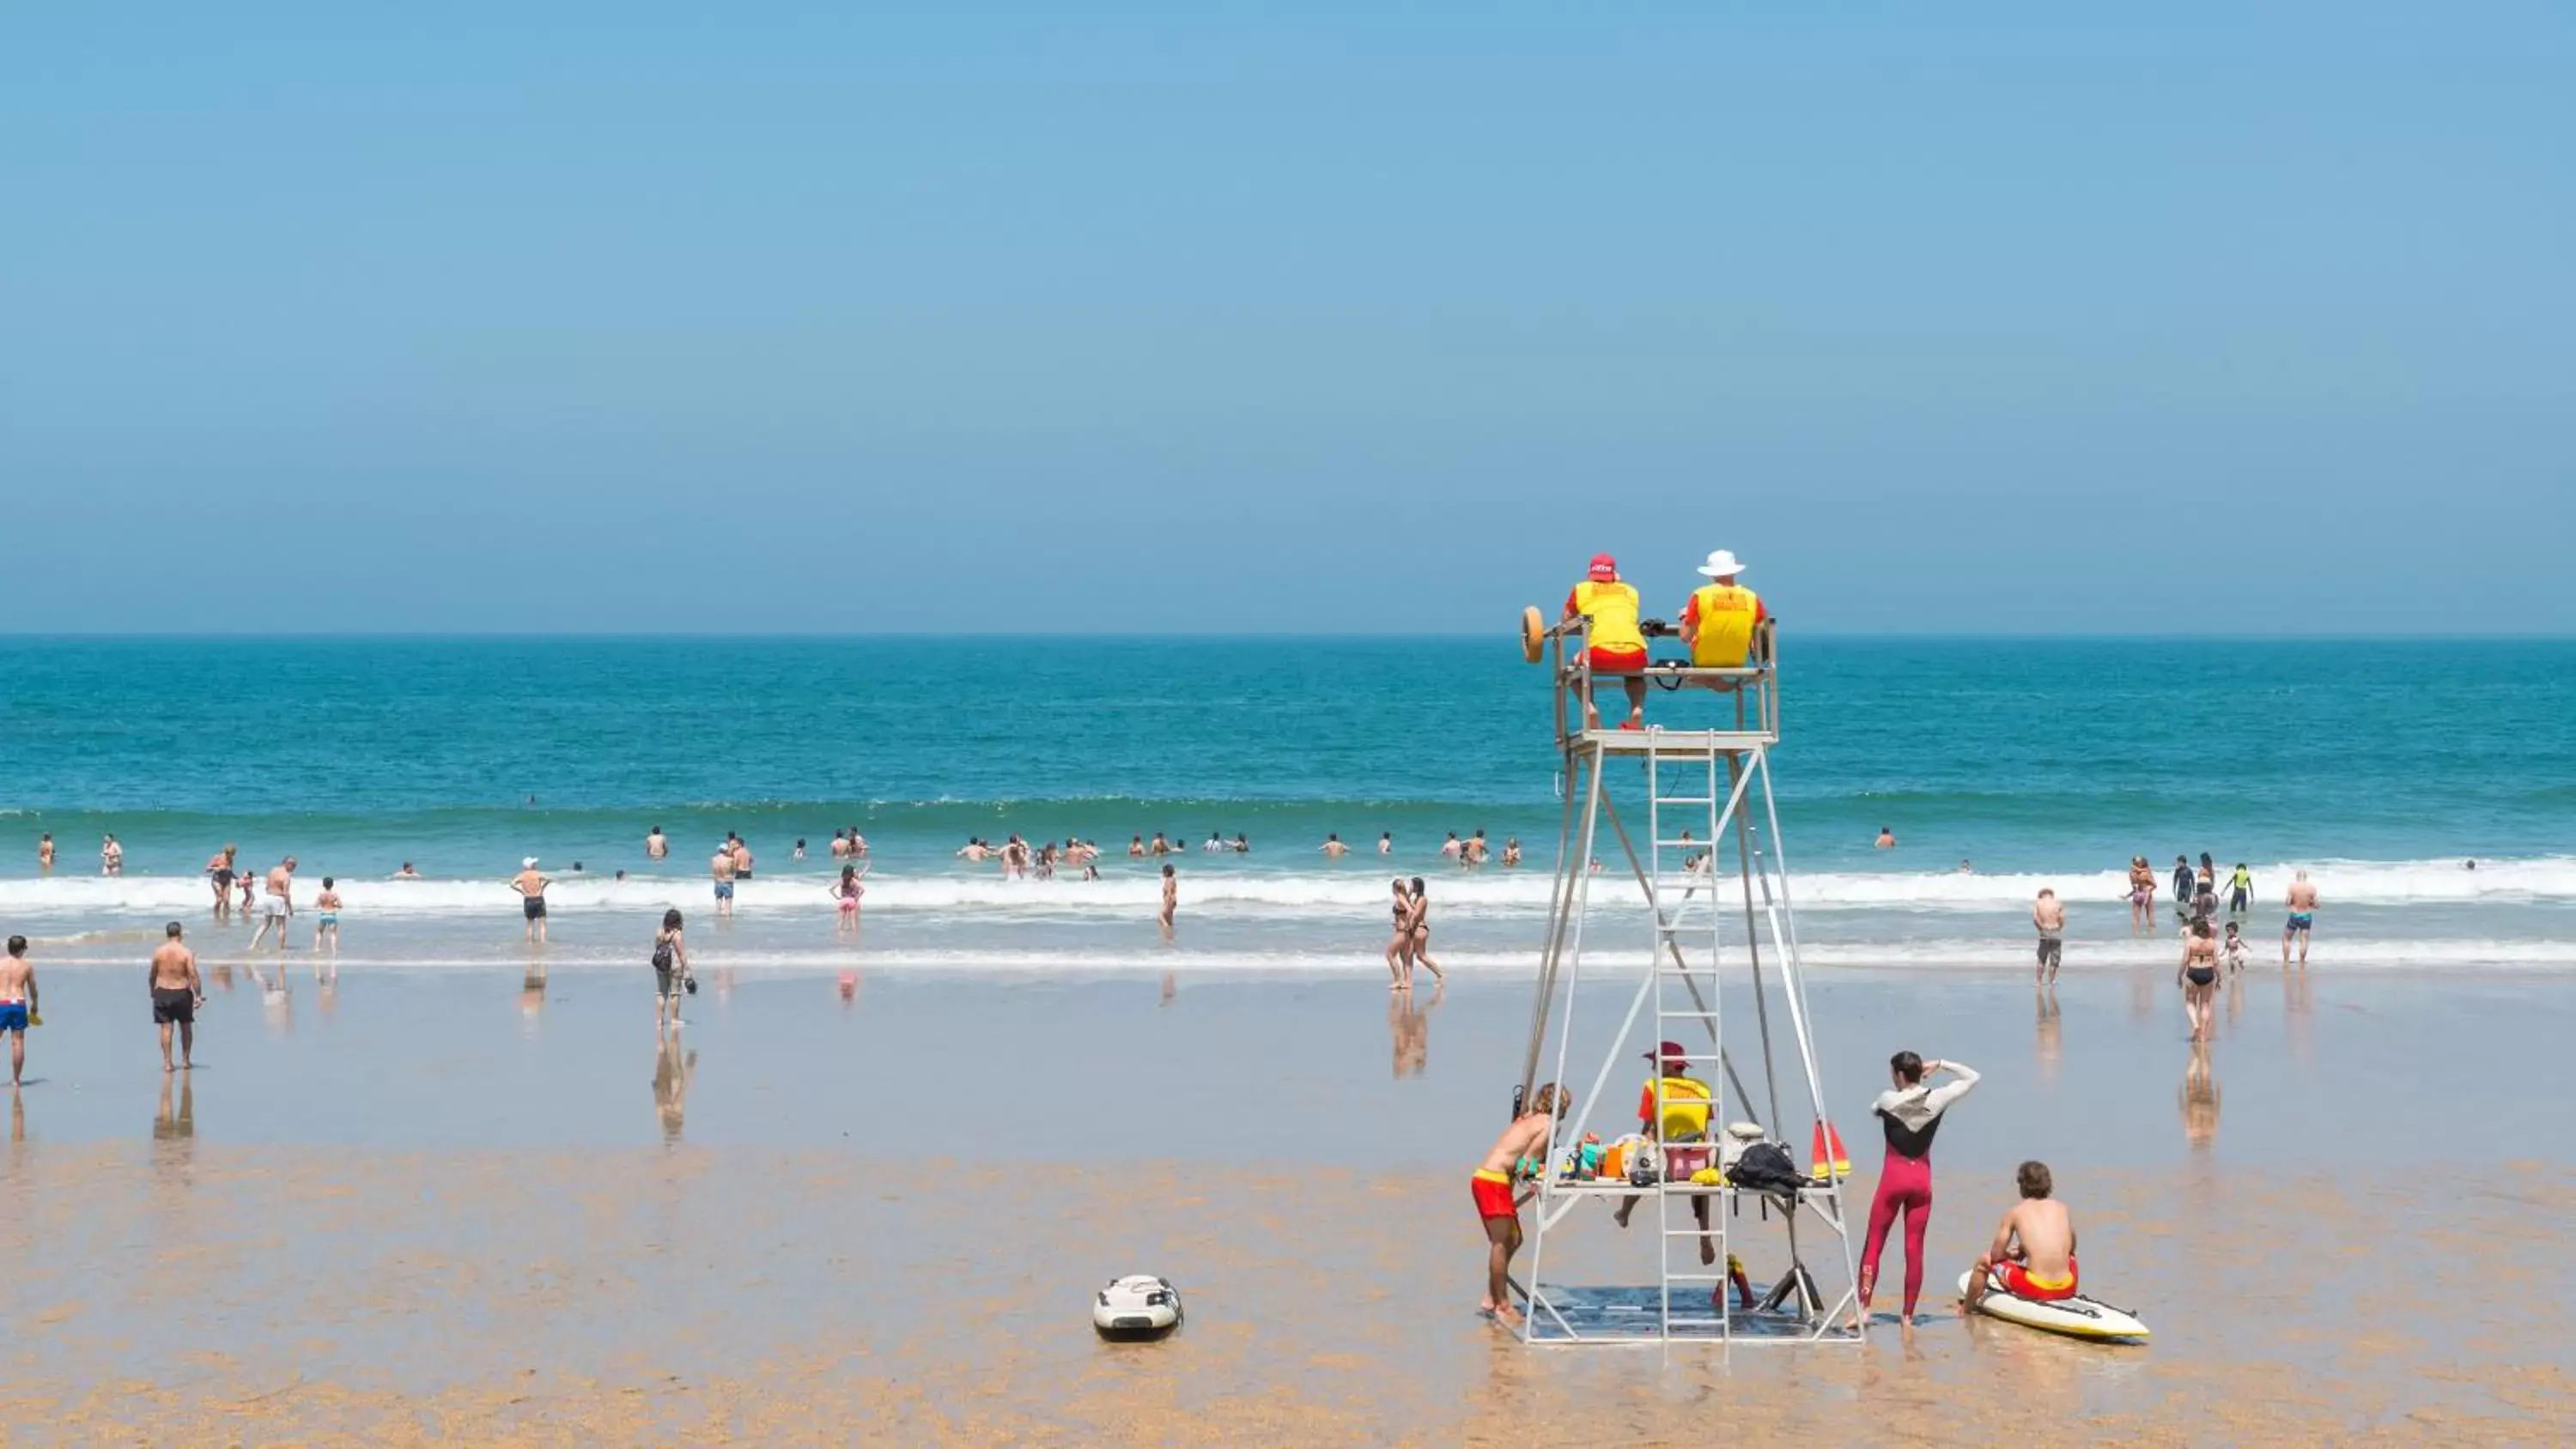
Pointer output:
2077, 1317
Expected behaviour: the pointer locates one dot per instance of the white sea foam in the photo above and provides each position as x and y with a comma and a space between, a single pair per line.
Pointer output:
1255, 893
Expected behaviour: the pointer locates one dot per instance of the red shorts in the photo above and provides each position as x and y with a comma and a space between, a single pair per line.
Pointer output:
1617, 661
2020, 1284
1494, 1196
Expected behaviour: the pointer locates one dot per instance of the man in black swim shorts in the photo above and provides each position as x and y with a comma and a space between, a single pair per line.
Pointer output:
176, 991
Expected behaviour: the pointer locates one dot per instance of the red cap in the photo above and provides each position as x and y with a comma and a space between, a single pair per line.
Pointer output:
1670, 1051
1605, 569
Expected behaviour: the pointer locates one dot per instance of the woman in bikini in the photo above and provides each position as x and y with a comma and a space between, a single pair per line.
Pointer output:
1399, 947
1422, 932
2198, 978
2142, 893
846, 893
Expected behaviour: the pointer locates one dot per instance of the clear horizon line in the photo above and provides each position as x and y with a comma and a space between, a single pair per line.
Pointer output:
1500, 637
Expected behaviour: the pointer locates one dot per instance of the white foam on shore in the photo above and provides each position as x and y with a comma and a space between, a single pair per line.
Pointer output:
1128, 888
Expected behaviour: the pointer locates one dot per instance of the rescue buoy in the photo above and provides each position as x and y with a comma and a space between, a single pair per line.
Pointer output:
1533, 633
1138, 1306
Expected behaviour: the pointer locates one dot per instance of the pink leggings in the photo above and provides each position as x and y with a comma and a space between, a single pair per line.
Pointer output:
1903, 1182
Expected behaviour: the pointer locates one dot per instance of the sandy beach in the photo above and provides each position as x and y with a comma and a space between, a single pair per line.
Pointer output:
441, 1209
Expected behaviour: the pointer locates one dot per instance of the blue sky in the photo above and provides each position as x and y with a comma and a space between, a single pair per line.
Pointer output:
2030, 318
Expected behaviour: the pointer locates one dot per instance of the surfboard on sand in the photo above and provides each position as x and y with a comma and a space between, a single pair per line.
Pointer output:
2077, 1317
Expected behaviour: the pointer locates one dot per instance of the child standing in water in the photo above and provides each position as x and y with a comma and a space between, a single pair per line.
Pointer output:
846, 893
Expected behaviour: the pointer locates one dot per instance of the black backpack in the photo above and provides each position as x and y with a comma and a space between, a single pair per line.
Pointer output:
1766, 1167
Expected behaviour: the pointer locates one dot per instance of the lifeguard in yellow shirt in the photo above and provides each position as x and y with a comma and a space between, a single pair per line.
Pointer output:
1721, 618
1616, 642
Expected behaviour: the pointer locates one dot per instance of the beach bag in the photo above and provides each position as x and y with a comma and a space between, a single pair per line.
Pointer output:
1766, 1167
1730, 1147
662, 953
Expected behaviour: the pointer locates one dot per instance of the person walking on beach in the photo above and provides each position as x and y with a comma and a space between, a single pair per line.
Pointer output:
18, 1005
2182, 891
721, 867
177, 992
326, 917
2048, 917
2198, 978
219, 870
1399, 947
656, 844
2303, 917
2142, 894
1910, 1114
1527, 1139
276, 903
1171, 901
531, 885
1422, 933
670, 972
845, 900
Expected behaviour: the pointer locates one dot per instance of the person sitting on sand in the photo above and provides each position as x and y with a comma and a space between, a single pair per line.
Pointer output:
1526, 1139
2033, 1254
1674, 1109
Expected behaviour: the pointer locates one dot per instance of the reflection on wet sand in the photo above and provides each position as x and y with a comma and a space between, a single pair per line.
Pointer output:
2199, 1099
179, 1123
672, 1069
2051, 1045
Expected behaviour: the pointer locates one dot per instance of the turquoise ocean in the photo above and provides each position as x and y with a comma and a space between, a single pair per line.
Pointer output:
2381, 768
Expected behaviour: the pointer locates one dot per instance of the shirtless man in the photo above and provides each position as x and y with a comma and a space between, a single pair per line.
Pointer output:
17, 1005
111, 857
277, 903
1886, 839
741, 858
1333, 848
1171, 901
2034, 1248
177, 992
2048, 917
531, 885
2303, 915
973, 851
1449, 848
1526, 1139
220, 870
721, 867
656, 844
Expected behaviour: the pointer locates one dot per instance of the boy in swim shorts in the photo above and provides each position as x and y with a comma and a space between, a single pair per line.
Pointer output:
17, 1004
1497, 1208
2033, 1254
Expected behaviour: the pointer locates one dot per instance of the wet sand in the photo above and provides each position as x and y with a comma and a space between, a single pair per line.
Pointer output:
448, 1207
178, 1291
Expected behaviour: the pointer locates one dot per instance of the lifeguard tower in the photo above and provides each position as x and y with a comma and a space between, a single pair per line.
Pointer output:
1695, 893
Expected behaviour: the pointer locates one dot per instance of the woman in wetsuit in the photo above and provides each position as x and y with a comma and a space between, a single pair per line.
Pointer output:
1910, 1113
2198, 978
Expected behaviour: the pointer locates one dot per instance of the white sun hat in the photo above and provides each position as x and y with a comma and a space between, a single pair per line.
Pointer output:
1721, 564
528, 864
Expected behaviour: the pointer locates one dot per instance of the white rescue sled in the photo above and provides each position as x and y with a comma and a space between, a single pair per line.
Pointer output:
1138, 1306
2077, 1317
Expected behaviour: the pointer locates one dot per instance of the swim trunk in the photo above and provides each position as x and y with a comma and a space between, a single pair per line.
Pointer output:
1617, 661
1494, 1196
534, 908
13, 1016
173, 1004
2051, 947
273, 906
2238, 900
2299, 921
328, 918
2019, 1283
724, 890
2200, 975
2139, 895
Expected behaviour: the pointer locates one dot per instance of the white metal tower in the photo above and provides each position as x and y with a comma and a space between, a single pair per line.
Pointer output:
1718, 779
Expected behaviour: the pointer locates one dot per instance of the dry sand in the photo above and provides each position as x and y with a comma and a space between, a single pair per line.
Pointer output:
182, 1292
